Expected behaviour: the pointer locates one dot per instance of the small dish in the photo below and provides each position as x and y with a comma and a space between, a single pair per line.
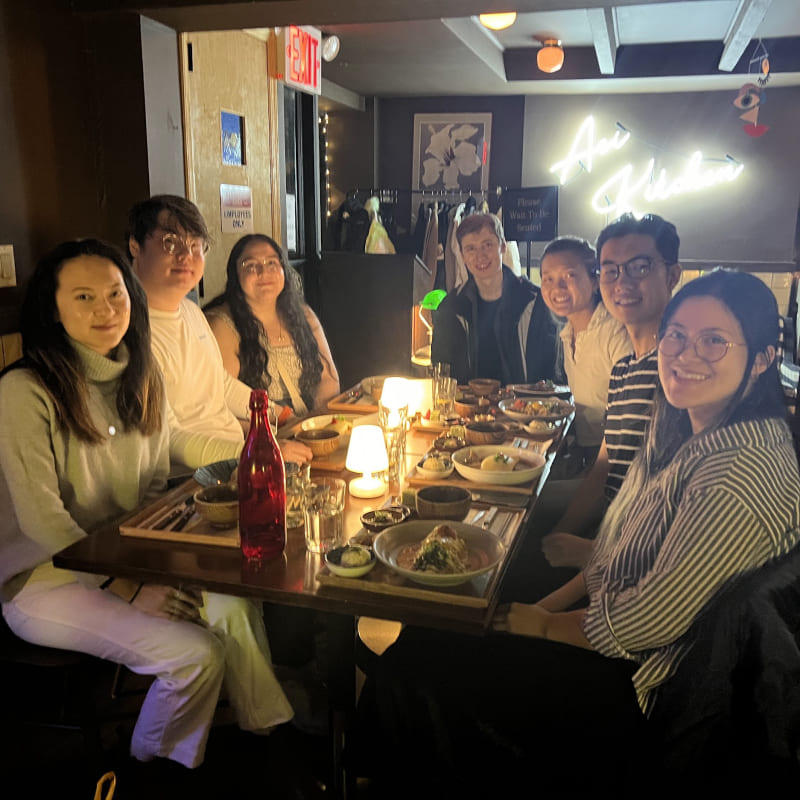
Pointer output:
482, 387
218, 505
216, 473
426, 470
362, 557
486, 432
341, 423
541, 430
321, 441
448, 444
443, 502
381, 518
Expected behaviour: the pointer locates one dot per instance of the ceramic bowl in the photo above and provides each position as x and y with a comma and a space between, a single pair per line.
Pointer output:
218, 472
486, 432
431, 474
546, 410
342, 423
481, 387
466, 405
443, 502
468, 464
218, 505
321, 441
363, 558
381, 518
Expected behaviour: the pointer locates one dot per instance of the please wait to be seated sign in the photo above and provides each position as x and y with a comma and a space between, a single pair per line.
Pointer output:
531, 214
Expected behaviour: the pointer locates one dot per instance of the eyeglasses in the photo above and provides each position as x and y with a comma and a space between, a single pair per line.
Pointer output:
177, 245
255, 266
710, 347
636, 269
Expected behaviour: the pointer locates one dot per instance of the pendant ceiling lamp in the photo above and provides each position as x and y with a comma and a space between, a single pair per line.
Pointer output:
550, 57
498, 22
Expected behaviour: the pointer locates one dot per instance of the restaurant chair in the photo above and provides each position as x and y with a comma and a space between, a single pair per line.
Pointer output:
731, 712
50, 688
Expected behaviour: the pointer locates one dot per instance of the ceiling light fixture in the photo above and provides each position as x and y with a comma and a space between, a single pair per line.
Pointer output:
498, 22
330, 47
551, 56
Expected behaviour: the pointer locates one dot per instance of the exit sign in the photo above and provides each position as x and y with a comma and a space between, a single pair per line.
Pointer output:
299, 61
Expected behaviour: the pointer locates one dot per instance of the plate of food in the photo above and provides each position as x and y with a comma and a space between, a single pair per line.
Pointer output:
350, 561
541, 430
448, 443
341, 423
218, 472
498, 464
445, 554
435, 466
539, 389
545, 410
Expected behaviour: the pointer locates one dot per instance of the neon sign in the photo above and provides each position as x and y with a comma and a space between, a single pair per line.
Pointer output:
628, 185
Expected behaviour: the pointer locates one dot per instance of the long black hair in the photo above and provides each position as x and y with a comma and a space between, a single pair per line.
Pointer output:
48, 352
291, 312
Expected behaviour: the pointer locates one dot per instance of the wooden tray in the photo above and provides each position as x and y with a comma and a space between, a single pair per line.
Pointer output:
413, 479
366, 404
473, 594
196, 531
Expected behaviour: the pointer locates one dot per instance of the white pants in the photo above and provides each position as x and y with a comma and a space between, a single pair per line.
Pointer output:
188, 661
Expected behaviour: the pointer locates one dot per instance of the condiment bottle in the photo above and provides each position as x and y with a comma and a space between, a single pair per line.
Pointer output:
262, 487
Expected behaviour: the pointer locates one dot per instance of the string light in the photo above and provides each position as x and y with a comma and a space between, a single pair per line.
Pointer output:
327, 161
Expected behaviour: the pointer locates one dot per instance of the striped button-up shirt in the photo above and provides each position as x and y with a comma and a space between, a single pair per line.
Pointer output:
728, 503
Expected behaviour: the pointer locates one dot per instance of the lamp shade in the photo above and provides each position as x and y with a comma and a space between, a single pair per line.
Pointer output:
550, 57
367, 454
497, 22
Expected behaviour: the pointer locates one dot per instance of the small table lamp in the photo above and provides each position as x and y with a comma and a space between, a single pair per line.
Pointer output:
367, 454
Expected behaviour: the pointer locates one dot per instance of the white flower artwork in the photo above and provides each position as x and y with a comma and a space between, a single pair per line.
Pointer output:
451, 151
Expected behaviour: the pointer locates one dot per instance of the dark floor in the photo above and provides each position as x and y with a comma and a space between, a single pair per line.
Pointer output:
47, 762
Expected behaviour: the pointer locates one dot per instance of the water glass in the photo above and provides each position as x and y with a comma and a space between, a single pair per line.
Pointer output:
298, 476
324, 513
444, 396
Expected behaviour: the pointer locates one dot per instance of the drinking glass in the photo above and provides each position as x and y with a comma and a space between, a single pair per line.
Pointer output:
393, 424
444, 396
324, 513
298, 476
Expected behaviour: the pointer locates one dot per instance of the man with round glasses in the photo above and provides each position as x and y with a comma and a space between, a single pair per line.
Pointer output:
167, 240
637, 271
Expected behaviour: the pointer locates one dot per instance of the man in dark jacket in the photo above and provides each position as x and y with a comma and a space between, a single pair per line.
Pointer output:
496, 325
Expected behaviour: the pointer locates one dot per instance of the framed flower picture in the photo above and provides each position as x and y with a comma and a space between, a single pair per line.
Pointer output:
451, 152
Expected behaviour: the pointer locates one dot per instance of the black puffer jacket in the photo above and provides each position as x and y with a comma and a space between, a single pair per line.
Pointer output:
527, 336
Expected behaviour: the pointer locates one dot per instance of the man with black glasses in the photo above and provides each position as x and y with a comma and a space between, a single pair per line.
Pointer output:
638, 270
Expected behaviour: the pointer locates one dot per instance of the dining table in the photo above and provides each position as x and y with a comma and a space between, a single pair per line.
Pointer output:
299, 578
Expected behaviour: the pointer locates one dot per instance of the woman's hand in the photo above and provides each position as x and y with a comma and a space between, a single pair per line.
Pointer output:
169, 603
567, 550
294, 451
522, 619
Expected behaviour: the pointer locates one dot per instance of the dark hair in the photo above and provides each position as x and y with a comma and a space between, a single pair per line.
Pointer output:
48, 352
474, 223
663, 233
181, 213
573, 244
753, 305
291, 312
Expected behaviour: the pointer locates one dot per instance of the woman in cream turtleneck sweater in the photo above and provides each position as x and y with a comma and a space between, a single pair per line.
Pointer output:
83, 420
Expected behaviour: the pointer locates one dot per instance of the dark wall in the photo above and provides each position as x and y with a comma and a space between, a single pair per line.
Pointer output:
396, 139
73, 153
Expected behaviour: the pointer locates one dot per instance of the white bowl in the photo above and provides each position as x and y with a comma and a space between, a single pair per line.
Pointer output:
332, 556
435, 474
484, 547
315, 423
553, 409
467, 463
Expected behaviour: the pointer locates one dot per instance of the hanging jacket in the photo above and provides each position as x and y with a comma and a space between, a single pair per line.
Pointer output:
526, 333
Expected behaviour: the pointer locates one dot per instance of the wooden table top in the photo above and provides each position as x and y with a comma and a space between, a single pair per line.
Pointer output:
289, 580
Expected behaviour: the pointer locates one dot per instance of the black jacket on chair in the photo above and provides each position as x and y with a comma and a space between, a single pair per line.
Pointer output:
733, 707
526, 333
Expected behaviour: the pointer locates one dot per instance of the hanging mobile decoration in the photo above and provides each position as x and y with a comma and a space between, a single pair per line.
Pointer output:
752, 95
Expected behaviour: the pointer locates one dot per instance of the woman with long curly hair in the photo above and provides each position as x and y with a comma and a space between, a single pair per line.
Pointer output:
269, 338
83, 441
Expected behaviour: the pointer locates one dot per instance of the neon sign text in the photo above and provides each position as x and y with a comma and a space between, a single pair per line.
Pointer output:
584, 149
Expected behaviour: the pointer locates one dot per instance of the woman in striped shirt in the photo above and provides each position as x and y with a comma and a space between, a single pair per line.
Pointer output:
714, 494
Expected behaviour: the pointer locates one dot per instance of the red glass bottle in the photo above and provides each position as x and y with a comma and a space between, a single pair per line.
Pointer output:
262, 487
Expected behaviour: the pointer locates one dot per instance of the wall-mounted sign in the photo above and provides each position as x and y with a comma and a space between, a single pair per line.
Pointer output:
530, 215
299, 58
232, 130
236, 208
632, 186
